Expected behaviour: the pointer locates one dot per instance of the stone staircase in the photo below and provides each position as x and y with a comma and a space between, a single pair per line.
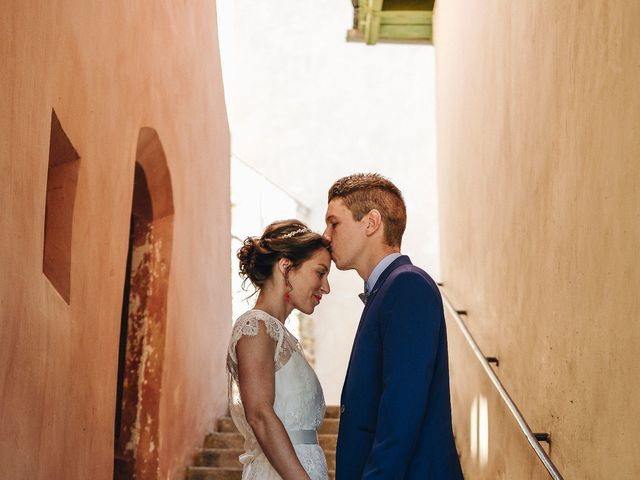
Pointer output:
218, 459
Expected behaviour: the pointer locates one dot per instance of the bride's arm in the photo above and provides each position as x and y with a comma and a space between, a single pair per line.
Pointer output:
256, 379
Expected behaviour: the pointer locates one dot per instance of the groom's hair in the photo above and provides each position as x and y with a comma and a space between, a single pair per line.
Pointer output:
362, 192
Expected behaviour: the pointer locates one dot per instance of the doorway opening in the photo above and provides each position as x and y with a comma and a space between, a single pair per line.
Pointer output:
144, 312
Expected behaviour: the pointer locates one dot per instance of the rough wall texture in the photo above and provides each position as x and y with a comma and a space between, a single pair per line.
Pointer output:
538, 140
108, 69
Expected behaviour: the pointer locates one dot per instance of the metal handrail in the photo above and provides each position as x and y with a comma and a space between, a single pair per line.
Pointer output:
531, 437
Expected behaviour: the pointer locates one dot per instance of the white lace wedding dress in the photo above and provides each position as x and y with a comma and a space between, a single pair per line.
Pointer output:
299, 401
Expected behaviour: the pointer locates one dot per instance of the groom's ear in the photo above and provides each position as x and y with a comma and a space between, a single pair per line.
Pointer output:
374, 221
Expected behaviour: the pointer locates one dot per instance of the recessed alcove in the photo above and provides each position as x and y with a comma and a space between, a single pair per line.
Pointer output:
62, 179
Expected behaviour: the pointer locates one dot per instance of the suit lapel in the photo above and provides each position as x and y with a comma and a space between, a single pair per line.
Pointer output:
398, 262
402, 260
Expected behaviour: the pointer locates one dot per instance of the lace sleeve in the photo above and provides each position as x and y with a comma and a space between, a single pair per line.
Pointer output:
248, 325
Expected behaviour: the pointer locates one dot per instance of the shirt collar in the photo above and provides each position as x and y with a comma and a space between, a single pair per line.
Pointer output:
381, 267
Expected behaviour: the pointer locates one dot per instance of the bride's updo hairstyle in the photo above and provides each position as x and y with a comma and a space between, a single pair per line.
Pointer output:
290, 239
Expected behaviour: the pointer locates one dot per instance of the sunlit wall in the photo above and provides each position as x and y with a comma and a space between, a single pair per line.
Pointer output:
539, 141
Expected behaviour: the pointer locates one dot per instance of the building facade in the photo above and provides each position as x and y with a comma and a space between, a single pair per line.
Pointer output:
115, 212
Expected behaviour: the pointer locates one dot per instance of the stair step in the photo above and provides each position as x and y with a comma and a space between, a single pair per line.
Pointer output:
223, 440
218, 460
226, 425
331, 460
236, 441
228, 458
327, 441
213, 473
218, 457
333, 411
329, 426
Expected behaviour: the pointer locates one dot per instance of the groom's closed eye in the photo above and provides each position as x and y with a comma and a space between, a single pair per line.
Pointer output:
331, 220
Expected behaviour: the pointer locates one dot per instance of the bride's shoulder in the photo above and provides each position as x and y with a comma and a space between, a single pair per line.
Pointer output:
249, 324
255, 314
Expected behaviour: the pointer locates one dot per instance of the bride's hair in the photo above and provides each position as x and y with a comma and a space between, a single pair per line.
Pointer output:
290, 239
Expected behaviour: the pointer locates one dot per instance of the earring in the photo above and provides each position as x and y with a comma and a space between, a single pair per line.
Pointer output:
287, 297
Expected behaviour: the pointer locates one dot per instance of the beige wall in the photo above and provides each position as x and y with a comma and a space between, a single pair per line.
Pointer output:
539, 141
108, 69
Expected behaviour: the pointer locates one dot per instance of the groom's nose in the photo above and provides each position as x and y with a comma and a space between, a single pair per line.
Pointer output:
327, 234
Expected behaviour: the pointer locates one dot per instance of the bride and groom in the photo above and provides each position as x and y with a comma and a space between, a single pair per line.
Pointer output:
395, 413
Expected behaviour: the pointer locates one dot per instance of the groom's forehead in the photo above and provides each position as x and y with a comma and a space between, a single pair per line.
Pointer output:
335, 207
332, 214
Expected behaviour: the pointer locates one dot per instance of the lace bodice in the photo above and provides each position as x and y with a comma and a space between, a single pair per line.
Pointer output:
299, 401
247, 324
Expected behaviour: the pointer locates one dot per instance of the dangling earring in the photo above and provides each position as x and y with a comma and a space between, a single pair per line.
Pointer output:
287, 295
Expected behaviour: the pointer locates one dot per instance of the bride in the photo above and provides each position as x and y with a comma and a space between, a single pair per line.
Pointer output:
275, 398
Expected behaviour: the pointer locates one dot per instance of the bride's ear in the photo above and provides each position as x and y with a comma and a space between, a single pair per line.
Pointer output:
284, 264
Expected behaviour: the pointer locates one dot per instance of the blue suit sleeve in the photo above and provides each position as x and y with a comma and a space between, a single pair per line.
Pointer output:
410, 328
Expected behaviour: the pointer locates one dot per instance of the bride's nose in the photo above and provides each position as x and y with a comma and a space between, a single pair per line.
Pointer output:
325, 288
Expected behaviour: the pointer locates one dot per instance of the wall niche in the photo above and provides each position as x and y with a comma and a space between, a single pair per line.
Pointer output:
62, 180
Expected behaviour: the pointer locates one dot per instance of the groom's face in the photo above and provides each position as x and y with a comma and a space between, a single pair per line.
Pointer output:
347, 236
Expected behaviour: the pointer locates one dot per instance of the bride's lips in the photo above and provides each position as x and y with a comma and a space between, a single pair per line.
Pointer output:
318, 298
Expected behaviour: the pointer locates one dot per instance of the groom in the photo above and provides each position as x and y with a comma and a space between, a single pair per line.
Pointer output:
395, 420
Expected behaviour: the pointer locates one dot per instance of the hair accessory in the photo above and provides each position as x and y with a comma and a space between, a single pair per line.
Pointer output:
295, 232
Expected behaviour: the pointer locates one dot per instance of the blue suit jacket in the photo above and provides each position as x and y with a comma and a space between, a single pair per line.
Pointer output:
395, 420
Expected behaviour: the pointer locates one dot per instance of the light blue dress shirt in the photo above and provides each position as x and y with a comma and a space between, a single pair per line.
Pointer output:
382, 265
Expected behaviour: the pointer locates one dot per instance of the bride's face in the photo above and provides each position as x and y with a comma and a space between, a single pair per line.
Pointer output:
310, 281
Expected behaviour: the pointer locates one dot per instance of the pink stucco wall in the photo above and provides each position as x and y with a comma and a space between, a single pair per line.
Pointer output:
108, 69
